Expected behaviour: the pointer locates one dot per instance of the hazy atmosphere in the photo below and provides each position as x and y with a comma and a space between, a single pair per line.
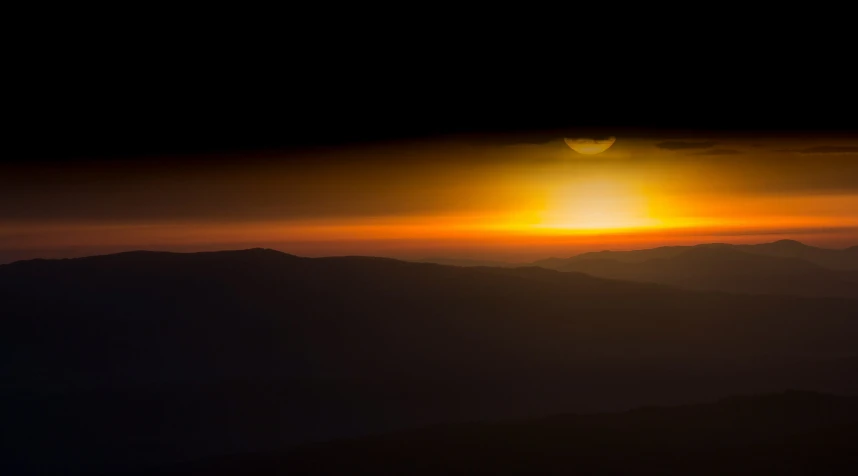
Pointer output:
516, 197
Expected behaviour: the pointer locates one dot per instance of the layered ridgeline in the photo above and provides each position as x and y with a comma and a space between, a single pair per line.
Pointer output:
829, 258
144, 357
789, 433
782, 267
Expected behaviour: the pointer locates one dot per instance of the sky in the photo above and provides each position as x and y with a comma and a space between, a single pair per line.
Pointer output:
511, 197
428, 145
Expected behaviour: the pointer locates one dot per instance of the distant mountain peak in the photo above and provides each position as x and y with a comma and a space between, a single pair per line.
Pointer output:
143, 255
790, 243
264, 250
248, 251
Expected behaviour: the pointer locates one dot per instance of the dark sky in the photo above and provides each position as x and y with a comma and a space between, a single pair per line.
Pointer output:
116, 90
133, 115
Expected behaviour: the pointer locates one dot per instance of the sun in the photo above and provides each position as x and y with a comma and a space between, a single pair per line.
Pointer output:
589, 146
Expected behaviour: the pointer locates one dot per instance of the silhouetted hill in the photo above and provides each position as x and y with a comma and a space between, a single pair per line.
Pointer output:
467, 262
788, 433
633, 256
834, 259
145, 357
828, 258
722, 268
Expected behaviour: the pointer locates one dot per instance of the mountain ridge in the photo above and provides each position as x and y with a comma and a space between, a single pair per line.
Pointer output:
722, 268
788, 247
827, 257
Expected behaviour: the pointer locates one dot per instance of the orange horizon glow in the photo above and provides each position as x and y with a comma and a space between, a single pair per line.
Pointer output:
501, 202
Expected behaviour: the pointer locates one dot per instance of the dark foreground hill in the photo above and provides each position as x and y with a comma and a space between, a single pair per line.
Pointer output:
792, 433
469, 262
139, 358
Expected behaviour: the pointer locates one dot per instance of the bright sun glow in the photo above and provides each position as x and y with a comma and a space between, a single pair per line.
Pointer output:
598, 205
